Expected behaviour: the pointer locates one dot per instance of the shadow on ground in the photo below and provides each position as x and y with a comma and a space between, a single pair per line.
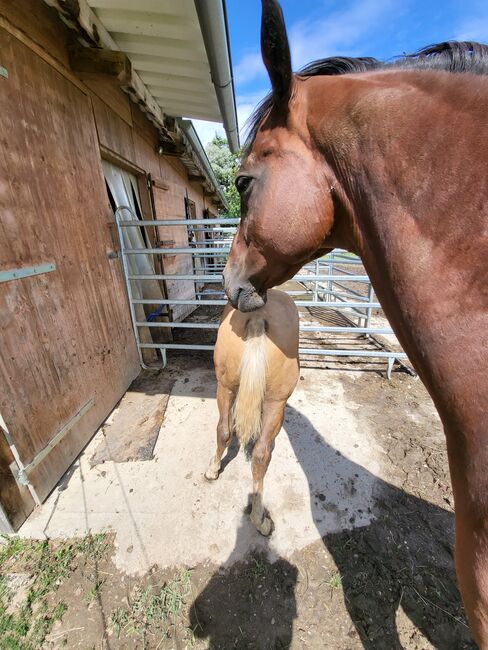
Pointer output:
250, 605
396, 573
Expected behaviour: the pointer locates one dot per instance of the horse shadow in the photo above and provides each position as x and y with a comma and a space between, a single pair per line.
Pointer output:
395, 553
401, 556
248, 603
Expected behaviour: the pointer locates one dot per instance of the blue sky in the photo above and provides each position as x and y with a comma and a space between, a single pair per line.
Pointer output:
320, 28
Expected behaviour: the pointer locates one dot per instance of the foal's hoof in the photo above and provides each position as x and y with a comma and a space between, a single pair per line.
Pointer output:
265, 527
211, 475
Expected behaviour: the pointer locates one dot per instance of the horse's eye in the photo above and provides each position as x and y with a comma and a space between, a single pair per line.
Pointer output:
243, 183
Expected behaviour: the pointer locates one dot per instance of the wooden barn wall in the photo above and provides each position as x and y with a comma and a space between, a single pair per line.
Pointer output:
66, 335
113, 109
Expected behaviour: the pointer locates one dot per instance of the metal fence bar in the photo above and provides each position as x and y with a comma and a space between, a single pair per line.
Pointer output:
304, 351
322, 280
212, 230
190, 250
303, 328
338, 294
382, 354
348, 291
218, 277
183, 325
128, 287
299, 303
182, 222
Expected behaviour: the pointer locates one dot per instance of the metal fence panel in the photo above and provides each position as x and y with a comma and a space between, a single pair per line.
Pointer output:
331, 282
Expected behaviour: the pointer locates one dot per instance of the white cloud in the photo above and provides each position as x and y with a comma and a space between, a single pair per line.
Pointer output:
325, 34
338, 33
207, 130
474, 30
322, 34
245, 106
249, 68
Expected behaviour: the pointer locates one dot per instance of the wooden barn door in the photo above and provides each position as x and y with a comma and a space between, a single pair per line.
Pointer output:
67, 345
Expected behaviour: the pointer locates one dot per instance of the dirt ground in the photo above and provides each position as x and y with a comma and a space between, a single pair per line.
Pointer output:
384, 579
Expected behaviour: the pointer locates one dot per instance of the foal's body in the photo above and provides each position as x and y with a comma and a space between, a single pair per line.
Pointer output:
391, 163
256, 364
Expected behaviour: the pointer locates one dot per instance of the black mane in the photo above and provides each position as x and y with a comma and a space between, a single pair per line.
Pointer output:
450, 56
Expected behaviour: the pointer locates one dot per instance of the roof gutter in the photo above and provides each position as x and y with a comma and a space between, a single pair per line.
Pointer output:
213, 23
189, 130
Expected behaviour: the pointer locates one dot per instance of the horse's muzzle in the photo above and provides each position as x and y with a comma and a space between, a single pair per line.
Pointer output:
242, 295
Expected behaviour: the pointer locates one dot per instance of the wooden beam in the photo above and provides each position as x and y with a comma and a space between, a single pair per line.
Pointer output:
160, 183
78, 14
171, 148
97, 60
116, 159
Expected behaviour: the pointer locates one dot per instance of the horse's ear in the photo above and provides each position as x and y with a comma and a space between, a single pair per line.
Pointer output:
275, 50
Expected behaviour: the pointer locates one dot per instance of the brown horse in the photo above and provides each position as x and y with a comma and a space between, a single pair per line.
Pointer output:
391, 162
256, 363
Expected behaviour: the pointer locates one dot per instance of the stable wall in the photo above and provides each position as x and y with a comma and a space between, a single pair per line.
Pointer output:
67, 345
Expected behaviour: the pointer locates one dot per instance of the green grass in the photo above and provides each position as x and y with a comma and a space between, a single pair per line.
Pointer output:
95, 591
335, 581
27, 626
152, 609
257, 569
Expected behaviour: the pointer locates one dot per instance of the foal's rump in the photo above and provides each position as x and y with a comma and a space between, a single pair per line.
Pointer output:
256, 357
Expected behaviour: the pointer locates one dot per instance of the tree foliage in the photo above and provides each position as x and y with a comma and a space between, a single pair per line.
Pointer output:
225, 165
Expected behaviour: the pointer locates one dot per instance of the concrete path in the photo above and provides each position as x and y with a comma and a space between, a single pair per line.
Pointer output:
163, 511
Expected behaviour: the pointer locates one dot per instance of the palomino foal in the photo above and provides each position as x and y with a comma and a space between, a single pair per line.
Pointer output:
256, 363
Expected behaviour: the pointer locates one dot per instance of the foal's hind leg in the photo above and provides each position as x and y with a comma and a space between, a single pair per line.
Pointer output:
225, 399
273, 413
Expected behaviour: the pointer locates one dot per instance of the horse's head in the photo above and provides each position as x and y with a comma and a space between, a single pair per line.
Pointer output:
284, 184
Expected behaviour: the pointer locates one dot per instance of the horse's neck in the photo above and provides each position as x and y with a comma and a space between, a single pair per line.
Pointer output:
419, 196
432, 285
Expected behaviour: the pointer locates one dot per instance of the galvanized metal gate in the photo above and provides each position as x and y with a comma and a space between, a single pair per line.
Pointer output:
336, 282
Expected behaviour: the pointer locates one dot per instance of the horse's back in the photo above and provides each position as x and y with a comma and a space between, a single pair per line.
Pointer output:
281, 317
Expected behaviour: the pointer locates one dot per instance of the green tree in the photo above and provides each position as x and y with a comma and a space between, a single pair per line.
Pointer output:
225, 165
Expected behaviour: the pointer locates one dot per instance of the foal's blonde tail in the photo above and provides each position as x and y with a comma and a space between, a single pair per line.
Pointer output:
248, 405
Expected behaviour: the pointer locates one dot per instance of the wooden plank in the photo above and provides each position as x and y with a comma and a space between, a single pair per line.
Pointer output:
41, 24
145, 155
117, 65
60, 345
132, 431
16, 502
80, 15
108, 90
119, 161
113, 132
40, 27
43, 54
100, 61
160, 183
